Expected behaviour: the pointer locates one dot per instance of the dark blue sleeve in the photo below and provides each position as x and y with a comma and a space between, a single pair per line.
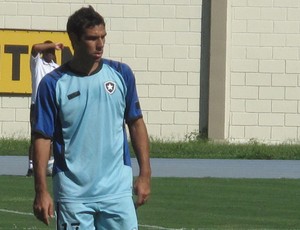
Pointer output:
45, 107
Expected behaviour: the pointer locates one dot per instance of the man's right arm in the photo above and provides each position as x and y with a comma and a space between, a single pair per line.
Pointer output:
43, 204
40, 47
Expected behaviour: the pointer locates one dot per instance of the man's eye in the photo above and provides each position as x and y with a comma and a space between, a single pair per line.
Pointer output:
91, 38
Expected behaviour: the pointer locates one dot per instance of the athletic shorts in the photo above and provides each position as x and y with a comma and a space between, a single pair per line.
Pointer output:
105, 215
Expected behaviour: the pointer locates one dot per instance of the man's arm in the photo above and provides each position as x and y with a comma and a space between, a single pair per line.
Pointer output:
43, 204
140, 143
40, 47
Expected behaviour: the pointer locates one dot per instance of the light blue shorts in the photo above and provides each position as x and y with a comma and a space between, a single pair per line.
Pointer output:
112, 214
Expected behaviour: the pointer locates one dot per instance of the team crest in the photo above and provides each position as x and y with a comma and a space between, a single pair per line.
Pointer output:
110, 87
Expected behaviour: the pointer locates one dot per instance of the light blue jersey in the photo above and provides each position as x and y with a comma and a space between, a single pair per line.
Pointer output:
85, 117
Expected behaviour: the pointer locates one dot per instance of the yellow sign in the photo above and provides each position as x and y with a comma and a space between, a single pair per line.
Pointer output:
15, 48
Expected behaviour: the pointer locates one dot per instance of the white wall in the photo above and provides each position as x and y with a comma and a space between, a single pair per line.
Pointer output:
159, 39
14, 116
264, 70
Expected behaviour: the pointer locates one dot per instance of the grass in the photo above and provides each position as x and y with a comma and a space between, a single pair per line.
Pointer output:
224, 203
212, 150
16, 194
189, 203
14, 147
192, 148
176, 203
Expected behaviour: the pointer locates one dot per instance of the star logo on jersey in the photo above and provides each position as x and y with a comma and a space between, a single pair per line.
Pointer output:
110, 87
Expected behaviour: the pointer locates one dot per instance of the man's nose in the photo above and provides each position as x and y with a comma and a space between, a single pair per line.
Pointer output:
100, 42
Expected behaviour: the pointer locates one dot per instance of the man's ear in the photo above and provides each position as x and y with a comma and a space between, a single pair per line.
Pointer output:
74, 39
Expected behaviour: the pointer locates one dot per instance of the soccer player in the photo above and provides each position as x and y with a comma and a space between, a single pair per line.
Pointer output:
83, 107
42, 61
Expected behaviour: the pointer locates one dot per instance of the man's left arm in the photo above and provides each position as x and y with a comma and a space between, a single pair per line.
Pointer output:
140, 144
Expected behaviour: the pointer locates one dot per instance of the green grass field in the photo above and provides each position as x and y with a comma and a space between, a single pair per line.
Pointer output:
195, 149
204, 203
181, 203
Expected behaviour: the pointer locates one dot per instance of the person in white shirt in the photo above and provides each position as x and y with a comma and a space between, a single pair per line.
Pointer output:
42, 61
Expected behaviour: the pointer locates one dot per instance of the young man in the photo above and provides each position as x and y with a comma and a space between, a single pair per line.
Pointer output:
42, 61
83, 107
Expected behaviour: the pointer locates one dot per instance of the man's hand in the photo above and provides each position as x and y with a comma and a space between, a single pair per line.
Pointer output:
59, 46
43, 207
142, 190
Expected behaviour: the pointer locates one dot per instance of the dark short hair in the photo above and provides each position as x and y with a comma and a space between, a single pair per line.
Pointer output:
48, 41
51, 50
82, 19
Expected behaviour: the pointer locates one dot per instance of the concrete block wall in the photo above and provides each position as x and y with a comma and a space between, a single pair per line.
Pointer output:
14, 116
159, 39
264, 70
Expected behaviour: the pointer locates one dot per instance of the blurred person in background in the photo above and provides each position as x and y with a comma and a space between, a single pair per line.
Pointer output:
42, 61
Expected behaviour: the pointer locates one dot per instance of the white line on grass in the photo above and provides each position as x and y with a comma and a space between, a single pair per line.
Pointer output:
141, 225
158, 227
16, 212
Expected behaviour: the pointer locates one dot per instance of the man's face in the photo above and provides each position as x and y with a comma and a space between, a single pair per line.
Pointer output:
49, 55
91, 44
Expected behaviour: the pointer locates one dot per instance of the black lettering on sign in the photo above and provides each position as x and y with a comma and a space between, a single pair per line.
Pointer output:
16, 51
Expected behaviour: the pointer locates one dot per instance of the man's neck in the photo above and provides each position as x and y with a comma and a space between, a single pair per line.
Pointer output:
84, 68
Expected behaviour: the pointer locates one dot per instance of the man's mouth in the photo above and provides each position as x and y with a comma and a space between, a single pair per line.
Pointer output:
98, 54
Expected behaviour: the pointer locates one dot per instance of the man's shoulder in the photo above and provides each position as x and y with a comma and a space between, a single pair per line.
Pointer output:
57, 73
118, 66
36, 56
36, 59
